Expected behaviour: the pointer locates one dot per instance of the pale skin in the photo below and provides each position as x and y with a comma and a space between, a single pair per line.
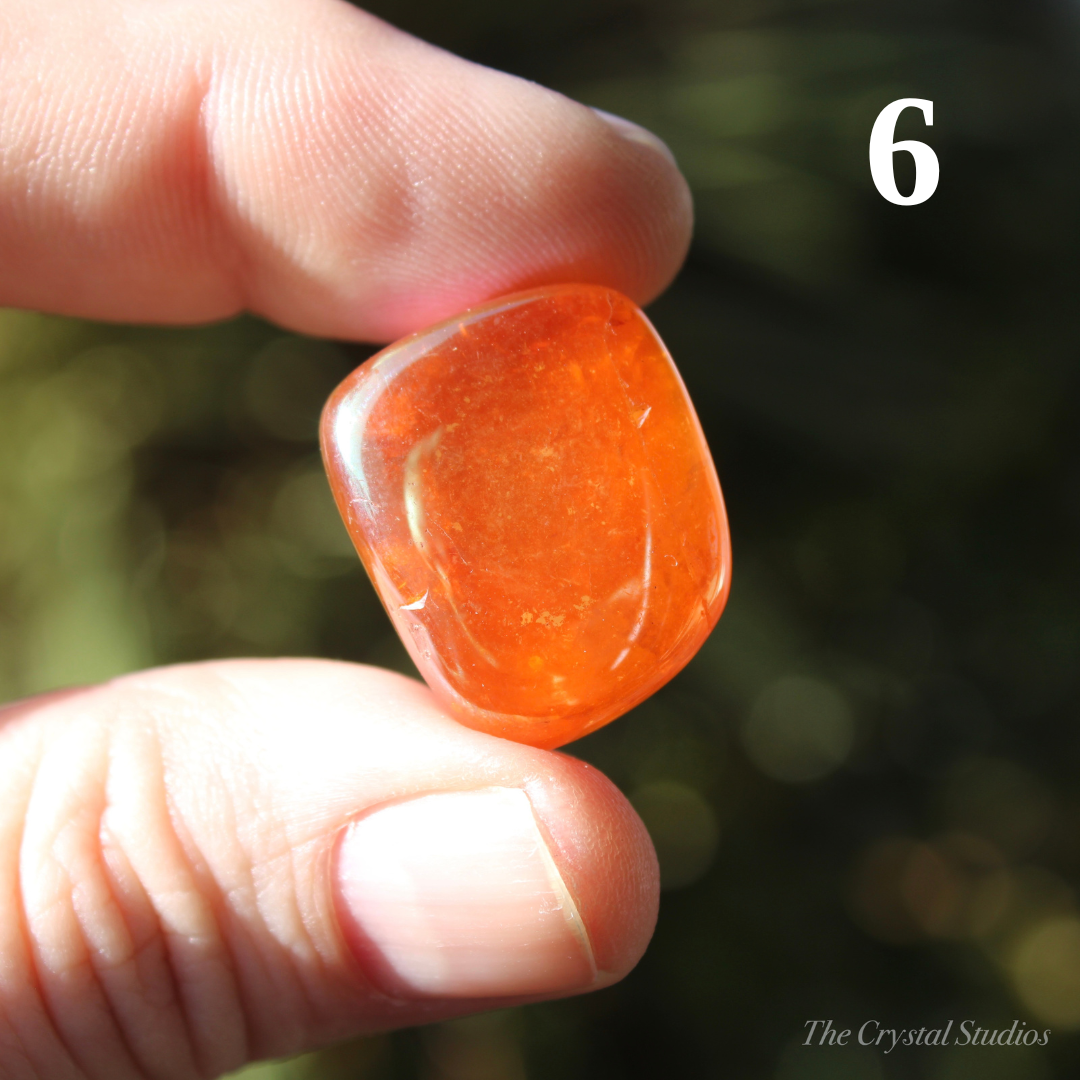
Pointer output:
180, 891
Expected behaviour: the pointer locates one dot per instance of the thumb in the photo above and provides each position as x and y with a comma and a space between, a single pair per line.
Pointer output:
205, 865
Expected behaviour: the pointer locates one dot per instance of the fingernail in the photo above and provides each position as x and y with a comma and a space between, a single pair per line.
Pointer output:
636, 133
457, 895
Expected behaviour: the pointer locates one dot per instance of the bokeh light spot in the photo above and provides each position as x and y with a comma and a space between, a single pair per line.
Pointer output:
800, 729
957, 886
306, 520
1046, 971
287, 384
683, 828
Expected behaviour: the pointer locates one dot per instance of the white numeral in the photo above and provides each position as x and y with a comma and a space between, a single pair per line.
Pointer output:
882, 149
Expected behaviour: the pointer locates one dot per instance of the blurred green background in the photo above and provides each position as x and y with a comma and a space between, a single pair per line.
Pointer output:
865, 790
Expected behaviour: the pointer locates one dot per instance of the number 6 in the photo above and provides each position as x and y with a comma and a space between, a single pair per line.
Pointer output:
882, 149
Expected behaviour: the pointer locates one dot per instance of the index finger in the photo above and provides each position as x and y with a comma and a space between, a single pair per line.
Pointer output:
307, 162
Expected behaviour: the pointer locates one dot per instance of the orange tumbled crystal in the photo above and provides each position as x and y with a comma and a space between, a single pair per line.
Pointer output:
531, 493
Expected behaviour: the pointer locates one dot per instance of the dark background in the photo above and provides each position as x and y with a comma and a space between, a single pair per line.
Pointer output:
865, 790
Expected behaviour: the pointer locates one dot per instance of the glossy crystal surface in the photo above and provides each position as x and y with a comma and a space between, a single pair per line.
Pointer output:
530, 491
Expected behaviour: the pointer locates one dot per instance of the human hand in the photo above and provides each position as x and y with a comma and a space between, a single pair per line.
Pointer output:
181, 886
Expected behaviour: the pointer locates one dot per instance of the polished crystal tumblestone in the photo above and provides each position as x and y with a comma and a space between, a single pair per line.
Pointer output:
531, 493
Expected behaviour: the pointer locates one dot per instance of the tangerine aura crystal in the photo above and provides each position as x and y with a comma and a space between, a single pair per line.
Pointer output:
533, 498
